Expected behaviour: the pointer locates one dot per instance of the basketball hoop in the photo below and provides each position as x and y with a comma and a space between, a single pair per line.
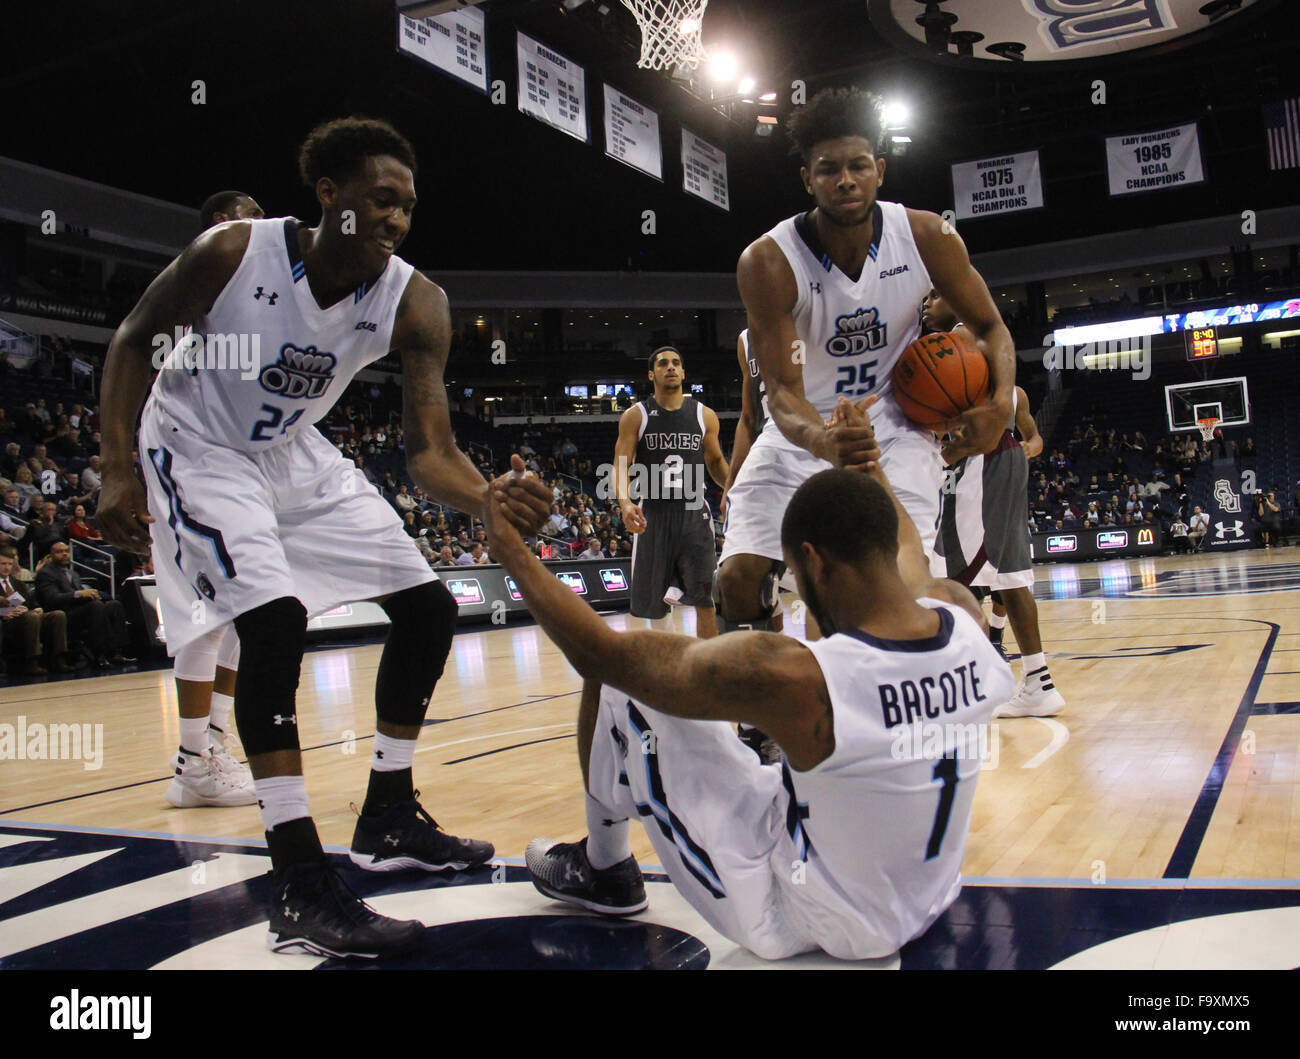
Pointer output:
670, 32
1207, 426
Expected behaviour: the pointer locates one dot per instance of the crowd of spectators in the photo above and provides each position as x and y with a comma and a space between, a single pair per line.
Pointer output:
1128, 480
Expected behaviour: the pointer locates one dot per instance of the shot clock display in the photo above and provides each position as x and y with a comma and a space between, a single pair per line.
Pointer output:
1202, 343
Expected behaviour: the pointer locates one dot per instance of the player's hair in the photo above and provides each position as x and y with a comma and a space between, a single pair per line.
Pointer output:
338, 149
9, 551
844, 513
221, 202
663, 349
836, 112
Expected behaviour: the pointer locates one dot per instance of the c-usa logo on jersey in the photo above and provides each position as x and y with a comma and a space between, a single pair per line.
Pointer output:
859, 333
299, 373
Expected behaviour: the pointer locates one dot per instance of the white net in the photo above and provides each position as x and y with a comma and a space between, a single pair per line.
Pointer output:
670, 32
1207, 426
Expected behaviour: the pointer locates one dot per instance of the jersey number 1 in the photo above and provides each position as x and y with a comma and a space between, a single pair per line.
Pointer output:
263, 425
945, 770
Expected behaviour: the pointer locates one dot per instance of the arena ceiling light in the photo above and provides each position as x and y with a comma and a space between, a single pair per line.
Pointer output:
747, 85
896, 114
723, 67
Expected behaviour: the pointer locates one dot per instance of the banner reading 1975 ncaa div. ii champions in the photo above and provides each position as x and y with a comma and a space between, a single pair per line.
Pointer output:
1154, 161
993, 186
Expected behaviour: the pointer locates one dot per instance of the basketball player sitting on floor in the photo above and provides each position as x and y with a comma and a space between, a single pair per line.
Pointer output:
983, 540
855, 844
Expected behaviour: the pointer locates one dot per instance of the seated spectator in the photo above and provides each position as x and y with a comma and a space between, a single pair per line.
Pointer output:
592, 551
1200, 526
403, 500
409, 527
1179, 535
78, 526
446, 558
90, 478
45, 532
13, 505
23, 484
101, 622
476, 556
11, 461
1248, 449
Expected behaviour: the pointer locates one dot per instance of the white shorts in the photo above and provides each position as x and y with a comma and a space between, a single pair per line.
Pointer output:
773, 470
716, 817
234, 530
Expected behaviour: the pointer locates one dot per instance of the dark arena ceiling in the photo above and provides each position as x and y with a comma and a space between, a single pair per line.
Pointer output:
102, 89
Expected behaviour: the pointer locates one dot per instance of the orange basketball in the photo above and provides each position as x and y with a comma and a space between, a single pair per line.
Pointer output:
938, 377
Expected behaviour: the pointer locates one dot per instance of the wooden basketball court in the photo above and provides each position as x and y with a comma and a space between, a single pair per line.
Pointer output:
1175, 763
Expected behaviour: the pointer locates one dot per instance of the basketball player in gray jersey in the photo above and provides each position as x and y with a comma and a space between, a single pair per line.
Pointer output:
831, 298
983, 541
254, 515
667, 442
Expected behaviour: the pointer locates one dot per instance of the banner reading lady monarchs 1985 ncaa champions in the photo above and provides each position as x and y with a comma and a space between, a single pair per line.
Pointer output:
992, 186
1153, 161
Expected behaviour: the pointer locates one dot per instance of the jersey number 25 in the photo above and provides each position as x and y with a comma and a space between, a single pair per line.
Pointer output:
856, 380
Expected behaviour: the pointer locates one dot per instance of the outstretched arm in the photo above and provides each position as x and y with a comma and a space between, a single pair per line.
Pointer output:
422, 336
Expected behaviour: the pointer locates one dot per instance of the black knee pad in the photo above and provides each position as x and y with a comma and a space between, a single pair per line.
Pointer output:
272, 638
997, 597
769, 593
419, 640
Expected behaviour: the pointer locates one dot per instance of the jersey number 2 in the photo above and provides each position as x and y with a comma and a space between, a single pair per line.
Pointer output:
945, 770
856, 379
261, 427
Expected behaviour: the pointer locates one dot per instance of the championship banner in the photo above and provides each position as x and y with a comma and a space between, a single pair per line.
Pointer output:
452, 43
704, 170
1230, 514
992, 186
1154, 161
632, 133
552, 88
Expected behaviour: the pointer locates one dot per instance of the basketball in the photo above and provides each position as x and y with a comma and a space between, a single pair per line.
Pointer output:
938, 377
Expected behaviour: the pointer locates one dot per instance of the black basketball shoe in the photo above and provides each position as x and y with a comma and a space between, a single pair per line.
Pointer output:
561, 871
408, 837
313, 912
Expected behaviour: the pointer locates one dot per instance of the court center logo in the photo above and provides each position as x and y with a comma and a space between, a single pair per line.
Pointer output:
1068, 24
1229, 501
299, 373
859, 332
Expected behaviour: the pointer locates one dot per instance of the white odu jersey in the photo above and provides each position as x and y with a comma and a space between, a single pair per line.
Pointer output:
883, 821
267, 361
854, 331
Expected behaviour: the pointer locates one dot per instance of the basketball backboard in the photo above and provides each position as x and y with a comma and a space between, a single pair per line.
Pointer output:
1187, 402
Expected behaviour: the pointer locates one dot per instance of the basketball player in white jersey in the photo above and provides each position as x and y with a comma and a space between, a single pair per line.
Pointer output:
254, 514
832, 299
983, 540
854, 845
209, 775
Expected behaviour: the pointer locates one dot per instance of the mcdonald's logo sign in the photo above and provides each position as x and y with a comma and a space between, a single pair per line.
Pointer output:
1146, 536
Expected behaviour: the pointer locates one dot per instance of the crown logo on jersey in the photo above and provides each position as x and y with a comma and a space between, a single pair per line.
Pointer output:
299, 373
860, 332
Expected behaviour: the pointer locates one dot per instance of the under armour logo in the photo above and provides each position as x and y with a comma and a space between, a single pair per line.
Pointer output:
379, 754
1223, 529
291, 915
280, 719
572, 874
390, 840
816, 287
270, 298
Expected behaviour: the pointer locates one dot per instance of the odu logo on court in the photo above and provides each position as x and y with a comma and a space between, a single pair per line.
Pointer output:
859, 333
1071, 23
299, 373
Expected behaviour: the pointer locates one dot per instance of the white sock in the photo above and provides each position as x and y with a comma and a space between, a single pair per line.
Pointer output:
223, 706
1032, 666
392, 755
997, 621
606, 836
194, 735
282, 798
